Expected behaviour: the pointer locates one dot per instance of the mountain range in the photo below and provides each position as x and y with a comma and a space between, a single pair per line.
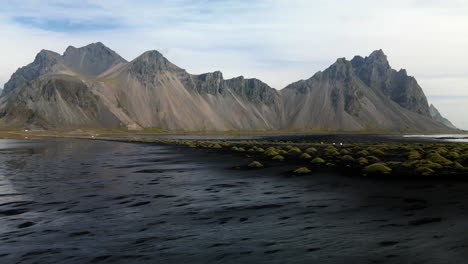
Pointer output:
93, 86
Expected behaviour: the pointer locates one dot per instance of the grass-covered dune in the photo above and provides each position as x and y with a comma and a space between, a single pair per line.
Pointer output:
382, 159
377, 160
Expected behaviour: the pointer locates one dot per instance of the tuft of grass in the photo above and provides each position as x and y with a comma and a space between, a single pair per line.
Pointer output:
305, 156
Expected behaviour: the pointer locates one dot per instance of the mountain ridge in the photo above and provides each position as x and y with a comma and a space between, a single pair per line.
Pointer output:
150, 91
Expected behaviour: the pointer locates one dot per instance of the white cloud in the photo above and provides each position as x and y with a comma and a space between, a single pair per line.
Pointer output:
277, 41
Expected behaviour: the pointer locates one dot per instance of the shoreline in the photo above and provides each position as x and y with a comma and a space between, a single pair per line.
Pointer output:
379, 156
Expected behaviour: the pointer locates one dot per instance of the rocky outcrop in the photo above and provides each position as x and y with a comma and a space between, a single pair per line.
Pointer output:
93, 86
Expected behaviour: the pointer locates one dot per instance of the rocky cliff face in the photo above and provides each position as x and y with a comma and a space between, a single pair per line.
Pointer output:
438, 117
375, 72
94, 86
339, 99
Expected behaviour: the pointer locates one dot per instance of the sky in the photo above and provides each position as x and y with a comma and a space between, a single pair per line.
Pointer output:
276, 41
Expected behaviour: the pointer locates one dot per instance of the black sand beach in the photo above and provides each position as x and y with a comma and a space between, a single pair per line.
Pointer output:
84, 201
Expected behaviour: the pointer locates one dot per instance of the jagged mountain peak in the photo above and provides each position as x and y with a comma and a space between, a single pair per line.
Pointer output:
378, 54
152, 61
151, 54
341, 69
91, 46
377, 59
216, 75
45, 61
376, 72
92, 59
46, 54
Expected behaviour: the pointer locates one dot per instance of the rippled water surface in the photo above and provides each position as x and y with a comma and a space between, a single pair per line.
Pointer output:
79, 201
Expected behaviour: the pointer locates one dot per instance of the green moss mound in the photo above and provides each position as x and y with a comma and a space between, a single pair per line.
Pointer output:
463, 160
305, 156
255, 164
373, 159
215, 146
377, 168
437, 158
345, 152
363, 161
318, 161
414, 155
425, 171
271, 152
453, 155
363, 153
347, 158
375, 151
238, 149
278, 158
294, 150
302, 170
331, 151
311, 150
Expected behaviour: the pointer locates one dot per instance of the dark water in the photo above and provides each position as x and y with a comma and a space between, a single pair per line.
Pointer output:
78, 201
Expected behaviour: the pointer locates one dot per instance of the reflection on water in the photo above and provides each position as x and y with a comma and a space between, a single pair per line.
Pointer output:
85, 201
